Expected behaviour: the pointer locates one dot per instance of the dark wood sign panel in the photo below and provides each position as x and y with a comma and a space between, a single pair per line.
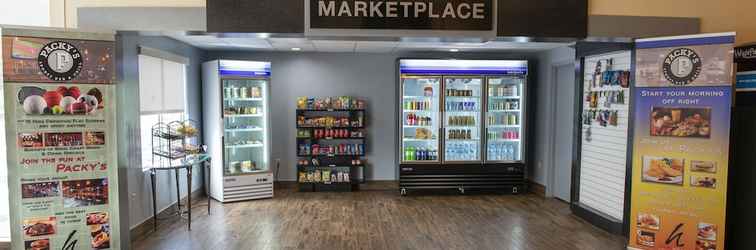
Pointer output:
474, 15
531, 18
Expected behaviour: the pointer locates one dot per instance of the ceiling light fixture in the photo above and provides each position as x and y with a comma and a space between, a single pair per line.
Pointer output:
296, 49
453, 50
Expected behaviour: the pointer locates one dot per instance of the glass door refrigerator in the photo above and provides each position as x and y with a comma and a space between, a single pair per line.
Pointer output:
479, 141
421, 125
235, 110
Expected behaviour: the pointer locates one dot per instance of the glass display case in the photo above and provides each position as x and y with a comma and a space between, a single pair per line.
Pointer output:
244, 116
236, 128
420, 126
504, 118
462, 104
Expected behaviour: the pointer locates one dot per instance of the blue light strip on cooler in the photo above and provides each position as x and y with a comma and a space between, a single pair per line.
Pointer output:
683, 41
244, 68
470, 67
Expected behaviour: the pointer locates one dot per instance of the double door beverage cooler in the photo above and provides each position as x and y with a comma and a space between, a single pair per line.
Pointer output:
462, 124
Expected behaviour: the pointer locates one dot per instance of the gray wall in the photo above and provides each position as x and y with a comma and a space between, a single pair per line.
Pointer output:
544, 110
138, 199
368, 75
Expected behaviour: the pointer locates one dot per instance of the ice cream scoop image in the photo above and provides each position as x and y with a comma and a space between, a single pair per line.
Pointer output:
34, 105
91, 101
66, 103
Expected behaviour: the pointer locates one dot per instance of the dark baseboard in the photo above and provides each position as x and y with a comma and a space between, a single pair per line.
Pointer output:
597, 219
146, 227
537, 188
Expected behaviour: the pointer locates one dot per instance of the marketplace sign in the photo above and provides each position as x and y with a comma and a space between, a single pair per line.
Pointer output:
745, 57
471, 15
60, 135
683, 93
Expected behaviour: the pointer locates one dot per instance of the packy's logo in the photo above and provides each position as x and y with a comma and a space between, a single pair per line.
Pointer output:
60, 61
681, 66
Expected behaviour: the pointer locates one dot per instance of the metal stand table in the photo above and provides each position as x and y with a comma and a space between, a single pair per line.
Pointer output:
187, 164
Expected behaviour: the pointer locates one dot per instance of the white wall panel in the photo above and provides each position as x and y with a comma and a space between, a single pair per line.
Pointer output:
604, 156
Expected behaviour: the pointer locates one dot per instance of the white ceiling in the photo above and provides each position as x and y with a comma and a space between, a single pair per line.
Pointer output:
210, 42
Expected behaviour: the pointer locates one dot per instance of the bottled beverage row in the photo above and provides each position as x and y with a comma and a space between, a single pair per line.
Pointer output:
459, 134
503, 119
461, 106
234, 92
459, 92
325, 176
329, 133
418, 105
464, 151
503, 90
330, 121
420, 154
413, 119
505, 134
466, 120
502, 152
504, 105
335, 149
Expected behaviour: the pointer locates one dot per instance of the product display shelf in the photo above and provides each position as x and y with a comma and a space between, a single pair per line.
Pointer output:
174, 140
336, 167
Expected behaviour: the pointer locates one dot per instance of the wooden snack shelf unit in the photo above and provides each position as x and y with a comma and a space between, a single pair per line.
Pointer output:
332, 161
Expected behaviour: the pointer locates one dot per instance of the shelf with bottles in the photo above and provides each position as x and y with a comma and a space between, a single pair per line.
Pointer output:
420, 153
242, 143
413, 119
461, 106
250, 99
460, 134
461, 121
418, 105
503, 151
462, 151
503, 119
509, 134
507, 105
507, 90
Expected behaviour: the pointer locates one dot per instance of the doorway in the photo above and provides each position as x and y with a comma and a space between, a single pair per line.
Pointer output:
563, 122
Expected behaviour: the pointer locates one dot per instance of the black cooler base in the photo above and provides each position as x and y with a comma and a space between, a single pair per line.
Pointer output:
507, 178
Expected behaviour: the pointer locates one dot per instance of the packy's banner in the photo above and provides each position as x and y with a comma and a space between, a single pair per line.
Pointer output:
60, 134
681, 142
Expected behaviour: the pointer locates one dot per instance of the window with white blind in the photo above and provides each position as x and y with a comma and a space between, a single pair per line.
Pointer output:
162, 98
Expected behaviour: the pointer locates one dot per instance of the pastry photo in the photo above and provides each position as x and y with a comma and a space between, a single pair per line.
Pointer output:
703, 181
707, 231
649, 221
703, 166
663, 170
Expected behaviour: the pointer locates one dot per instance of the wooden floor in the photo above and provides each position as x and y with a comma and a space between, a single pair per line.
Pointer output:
378, 218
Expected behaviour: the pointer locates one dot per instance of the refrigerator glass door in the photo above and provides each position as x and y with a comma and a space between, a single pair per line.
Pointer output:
462, 107
504, 119
420, 118
245, 125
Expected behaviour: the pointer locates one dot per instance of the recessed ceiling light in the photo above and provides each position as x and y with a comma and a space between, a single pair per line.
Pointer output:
296, 49
453, 50
263, 35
